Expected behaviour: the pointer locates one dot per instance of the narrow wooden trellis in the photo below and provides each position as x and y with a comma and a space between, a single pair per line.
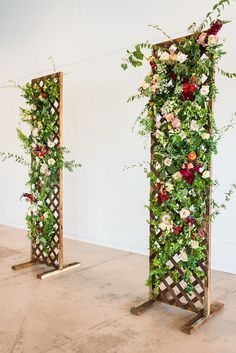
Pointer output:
171, 292
54, 200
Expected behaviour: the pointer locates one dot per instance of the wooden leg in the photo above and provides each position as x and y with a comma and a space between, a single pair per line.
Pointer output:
138, 310
24, 265
201, 319
55, 272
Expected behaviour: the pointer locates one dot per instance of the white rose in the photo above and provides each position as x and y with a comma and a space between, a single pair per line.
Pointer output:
35, 132
33, 107
51, 161
194, 126
51, 144
204, 90
184, 213
182, 135
206, 174
194, 244
181, 57
168, 161
166, 219
40, 203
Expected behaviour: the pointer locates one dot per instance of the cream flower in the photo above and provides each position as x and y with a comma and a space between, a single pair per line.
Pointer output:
162, 226
194, 244
164, 55
177, 176
212, 40
169, 186
206, 174
183, 256
206, 136
184, 213
168, 161
169, 117
172, 48
44, 168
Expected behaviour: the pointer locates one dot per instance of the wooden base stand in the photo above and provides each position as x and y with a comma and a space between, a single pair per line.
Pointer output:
47, 274
192, 325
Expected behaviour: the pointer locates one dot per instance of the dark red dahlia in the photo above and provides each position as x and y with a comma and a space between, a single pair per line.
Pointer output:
173, 76
215, 28
187, 175
177, 229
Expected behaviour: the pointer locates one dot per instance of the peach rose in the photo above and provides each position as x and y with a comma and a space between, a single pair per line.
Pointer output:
202, 38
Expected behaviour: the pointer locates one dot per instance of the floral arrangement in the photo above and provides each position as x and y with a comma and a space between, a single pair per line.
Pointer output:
180, 88
47, 157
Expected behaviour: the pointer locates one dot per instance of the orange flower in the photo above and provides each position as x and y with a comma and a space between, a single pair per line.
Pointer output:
192, 156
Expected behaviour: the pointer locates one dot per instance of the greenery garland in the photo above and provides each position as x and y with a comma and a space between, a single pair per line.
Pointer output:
47, 158
179, 116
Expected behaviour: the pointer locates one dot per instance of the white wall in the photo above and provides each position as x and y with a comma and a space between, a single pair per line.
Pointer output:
102, 203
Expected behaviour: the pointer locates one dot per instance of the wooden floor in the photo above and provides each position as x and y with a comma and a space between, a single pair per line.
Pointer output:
87, 310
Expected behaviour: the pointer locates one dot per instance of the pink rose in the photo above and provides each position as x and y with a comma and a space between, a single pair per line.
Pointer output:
176, 123
201, 39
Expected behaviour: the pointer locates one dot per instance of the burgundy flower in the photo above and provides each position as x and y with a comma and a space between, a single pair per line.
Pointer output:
153, 64
197, 168
173, 76
29, 197
41, 151
192, 236
162, 197
177, 229
190, 221
215, 28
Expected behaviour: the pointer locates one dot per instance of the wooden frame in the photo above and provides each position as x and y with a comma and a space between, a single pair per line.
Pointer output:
172, 292
55, 256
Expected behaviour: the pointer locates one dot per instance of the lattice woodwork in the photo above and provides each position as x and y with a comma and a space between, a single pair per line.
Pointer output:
54, 200
170, 291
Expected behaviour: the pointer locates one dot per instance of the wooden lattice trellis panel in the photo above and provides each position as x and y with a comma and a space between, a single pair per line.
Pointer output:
173, 292
54, 200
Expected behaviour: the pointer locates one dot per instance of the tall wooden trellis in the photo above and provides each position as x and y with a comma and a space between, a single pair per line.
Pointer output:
54, 199
173, 292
